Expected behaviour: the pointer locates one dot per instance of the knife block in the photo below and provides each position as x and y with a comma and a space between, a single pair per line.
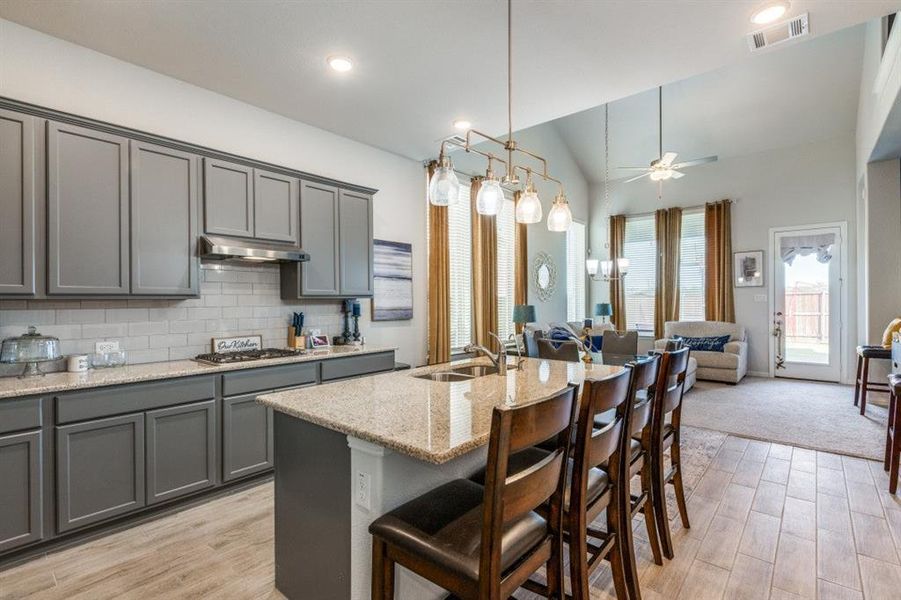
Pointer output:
297, 342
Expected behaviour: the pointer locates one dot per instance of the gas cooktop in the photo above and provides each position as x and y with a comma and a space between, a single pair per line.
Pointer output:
224, 358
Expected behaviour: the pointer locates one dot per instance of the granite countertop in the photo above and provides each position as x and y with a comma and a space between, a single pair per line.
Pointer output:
11, 387
429, 420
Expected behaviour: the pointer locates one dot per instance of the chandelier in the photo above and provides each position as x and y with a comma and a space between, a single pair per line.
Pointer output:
609, 270
444, 187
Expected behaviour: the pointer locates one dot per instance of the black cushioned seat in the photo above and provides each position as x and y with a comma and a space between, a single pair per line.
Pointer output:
444, 526
875, 352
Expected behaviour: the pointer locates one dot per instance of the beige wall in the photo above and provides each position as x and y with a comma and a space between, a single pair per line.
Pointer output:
802, 185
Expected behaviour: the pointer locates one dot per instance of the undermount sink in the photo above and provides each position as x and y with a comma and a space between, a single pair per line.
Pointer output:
476, 370
464, 373
447, 377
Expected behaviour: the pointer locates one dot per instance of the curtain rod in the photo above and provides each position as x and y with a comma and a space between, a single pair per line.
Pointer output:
684, 208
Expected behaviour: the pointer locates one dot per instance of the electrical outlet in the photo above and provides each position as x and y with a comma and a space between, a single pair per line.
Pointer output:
104, 347
759, 297
364, 490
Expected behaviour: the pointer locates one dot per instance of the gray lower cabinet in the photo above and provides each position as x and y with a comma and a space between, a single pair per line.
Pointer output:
164, 211
17, 206
355, 249
99, 470
181, 450
275, 206
87, 212
21, 513
227, 198
247, 437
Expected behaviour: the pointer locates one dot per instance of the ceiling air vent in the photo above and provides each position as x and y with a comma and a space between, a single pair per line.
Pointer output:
779, 33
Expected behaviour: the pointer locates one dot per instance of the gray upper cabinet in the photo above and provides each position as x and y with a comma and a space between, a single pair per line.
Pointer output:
87, 212
319, 238
17, 207
355, 250
99, 470
181, 450
228, 198
21, 503
275, 205
164, 190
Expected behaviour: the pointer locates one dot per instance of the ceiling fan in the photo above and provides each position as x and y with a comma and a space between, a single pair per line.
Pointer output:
665, 167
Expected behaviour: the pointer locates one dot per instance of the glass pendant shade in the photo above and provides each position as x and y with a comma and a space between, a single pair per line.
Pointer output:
592, 265
444, 187
560, 217
490, 197
528, 209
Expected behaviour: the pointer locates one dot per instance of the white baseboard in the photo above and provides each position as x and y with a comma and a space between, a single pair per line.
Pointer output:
758, 374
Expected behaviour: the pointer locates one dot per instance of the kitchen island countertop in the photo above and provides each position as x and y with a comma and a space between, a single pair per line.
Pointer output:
429, 420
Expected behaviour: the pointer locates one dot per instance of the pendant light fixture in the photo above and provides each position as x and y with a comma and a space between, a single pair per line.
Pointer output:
444, 188
490, 196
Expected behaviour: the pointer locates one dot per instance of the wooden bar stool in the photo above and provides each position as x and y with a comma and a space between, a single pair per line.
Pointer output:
485, 542
861, 383
667, 392
893, 434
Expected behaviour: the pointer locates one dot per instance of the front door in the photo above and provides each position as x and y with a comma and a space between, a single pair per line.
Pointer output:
807, 309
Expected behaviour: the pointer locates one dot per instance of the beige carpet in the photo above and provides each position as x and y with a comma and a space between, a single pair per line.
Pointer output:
813, 415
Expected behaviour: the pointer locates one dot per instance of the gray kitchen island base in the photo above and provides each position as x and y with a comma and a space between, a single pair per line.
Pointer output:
322, 541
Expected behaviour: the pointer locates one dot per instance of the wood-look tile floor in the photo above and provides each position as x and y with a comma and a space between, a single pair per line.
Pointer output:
768, 521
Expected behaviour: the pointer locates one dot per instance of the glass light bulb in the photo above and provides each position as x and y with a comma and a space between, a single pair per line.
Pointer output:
528, 209
490, 197
444, 188
658, 175
560, 217
592, 265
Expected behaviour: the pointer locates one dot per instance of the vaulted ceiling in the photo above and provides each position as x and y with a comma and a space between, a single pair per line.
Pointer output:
421, 64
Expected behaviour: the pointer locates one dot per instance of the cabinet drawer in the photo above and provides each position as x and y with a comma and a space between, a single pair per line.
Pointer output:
17, 414
104, 402
269, 378
341, 368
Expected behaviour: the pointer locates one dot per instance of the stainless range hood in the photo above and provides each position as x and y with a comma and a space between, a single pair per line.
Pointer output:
223, 248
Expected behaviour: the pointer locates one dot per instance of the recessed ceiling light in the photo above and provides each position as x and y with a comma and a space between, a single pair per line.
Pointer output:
769, 12
342, 64
462, 124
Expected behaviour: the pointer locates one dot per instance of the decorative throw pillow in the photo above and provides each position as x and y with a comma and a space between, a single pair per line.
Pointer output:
708, 344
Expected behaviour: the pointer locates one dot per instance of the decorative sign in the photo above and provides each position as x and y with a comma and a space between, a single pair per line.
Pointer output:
237, 344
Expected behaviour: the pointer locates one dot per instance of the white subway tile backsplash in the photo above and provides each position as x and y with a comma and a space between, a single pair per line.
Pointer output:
235, 300
126, 315
148, 327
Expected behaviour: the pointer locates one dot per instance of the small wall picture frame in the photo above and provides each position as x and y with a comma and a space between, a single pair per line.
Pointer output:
748, 268
319, 341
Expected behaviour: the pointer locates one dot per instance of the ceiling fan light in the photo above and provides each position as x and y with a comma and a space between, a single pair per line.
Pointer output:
528, 209
490, 197
657, 175
444, 187
560, 216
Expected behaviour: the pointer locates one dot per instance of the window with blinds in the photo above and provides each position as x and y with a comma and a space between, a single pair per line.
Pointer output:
459, 231
506, 275
691, 266
575, 272
640, 247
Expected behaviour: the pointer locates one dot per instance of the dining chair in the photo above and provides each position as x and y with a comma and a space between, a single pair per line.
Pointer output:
567, 350
620, 342
483, 543
665, 433
893, 434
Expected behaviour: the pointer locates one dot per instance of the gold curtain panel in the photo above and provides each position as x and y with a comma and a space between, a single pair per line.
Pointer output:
669, 246
521, 262
484, 271
439, 282
617, 239
719, 299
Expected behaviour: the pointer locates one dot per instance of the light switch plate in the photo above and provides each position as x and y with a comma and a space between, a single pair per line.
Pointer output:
108, 346
759, 297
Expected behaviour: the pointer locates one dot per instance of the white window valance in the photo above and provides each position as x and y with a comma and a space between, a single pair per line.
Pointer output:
804, 245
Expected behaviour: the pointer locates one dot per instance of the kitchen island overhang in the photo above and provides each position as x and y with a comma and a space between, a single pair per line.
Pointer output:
350, 451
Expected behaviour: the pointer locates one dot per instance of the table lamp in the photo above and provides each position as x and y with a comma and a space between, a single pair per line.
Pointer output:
603, 309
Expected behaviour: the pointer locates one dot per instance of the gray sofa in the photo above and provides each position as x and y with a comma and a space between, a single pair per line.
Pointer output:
729, 366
